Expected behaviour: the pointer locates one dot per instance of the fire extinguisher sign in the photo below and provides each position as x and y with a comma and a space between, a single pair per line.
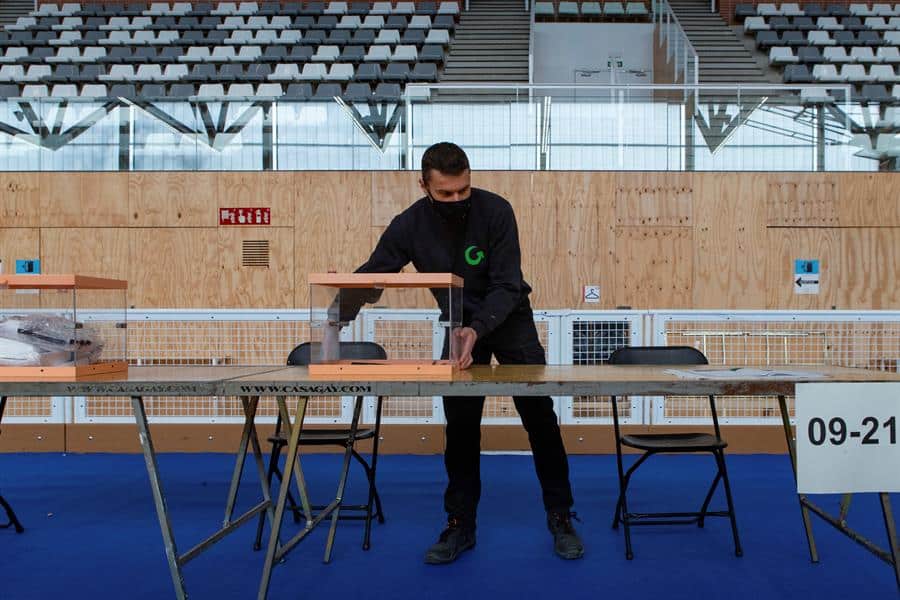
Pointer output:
259, 215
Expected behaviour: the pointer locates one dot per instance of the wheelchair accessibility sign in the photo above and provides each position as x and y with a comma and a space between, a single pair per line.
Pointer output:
806, 276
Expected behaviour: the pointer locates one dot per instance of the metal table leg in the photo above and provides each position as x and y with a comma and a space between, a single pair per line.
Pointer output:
159, 498
792, 453
229, 525
274, 549
839, 522
10, 514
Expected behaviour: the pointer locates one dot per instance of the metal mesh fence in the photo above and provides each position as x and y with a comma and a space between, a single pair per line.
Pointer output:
37, 409
797, 343
410, 338
592, 344
208, 341
502, 408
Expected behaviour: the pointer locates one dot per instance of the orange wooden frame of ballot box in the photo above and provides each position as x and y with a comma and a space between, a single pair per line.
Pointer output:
378, 370
62, 282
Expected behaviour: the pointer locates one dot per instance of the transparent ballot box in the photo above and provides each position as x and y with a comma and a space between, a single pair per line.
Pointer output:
62, 326
336, 302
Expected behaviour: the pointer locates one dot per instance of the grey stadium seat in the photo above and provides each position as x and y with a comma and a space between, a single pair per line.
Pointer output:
301, 91
397, 72
327, 91
387, 92
423, 72
358, 92
368, 72
797, 74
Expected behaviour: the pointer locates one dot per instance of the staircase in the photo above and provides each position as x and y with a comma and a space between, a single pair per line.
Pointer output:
10, 10
722, 54
490, 44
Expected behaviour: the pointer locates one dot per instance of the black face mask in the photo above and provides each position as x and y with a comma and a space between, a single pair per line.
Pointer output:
454, 213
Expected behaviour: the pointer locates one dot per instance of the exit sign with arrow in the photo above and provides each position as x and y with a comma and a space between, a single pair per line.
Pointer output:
806, 276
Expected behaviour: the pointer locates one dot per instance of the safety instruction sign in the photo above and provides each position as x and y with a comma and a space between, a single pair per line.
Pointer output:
806, 276
245, 216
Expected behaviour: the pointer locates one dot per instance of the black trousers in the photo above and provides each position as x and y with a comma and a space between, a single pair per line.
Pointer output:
514, 342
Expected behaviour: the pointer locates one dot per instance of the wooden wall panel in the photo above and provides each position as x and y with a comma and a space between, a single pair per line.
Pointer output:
788, 244
572, 238
729, 241
802, 200
868, 274
252, 189
84, 199
654, 267
332, 225
654, 199
256, 287
102, 252
392, 192
869, 200
740, 233
20, 204
173, 199
174, 267
18, 243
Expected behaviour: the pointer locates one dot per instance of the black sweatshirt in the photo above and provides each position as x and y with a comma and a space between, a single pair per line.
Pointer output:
484, 252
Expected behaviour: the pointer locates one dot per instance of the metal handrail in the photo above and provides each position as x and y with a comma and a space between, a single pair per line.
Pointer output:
663, 11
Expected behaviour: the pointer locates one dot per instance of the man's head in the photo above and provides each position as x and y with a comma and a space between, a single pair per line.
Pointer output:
445, 173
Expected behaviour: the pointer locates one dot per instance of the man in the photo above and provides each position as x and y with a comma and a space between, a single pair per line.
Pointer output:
472, 233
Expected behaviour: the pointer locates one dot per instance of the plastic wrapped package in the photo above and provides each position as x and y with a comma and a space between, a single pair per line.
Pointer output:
35, 339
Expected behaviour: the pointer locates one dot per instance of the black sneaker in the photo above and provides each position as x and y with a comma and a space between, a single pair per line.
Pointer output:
566, 542
454, 540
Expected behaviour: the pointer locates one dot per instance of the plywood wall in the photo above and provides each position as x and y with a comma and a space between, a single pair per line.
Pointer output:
649, 240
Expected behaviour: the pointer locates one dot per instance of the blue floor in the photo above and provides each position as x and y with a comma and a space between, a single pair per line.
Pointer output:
91, 532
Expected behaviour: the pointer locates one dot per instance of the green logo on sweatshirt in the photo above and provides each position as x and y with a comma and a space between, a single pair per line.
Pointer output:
479, 256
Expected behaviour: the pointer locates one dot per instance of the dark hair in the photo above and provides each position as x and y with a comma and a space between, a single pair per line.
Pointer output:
445, 157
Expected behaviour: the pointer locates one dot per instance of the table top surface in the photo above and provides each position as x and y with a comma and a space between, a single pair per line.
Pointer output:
531, 380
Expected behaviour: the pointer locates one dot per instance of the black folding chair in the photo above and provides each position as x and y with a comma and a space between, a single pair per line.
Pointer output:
13, 520
660, 443
343, 437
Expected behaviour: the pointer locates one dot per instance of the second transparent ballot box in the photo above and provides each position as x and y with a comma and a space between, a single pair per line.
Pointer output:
62, 326
336, 302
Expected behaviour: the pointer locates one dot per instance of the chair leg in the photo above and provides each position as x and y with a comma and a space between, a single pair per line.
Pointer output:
370, 474
712, 490
11, 515
619, 517
720, 458
621, 504
273, 467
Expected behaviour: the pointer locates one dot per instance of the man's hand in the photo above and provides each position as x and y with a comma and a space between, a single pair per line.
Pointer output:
464, 340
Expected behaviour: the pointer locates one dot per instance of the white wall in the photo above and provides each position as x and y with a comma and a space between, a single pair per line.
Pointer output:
562, 48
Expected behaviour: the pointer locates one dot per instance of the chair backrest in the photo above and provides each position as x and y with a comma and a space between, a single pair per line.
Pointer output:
658, 355
301, 355
665, 355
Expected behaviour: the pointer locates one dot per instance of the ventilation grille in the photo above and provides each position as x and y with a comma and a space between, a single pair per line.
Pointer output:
255, 253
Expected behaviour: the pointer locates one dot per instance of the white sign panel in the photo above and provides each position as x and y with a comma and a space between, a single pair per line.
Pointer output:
806, 276
847, 437
592, 294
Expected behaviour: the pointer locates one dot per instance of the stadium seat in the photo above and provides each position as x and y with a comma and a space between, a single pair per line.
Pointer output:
613, 9
809, 55
863, 54
781, 55
798, 74
837, 54
313, 72
819, 38
636, 9
423, 73
828, 24
855, 74
567, 10
299, 91
752, 24
358, 92
327, 91
368, 72
387, 92
340, 72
